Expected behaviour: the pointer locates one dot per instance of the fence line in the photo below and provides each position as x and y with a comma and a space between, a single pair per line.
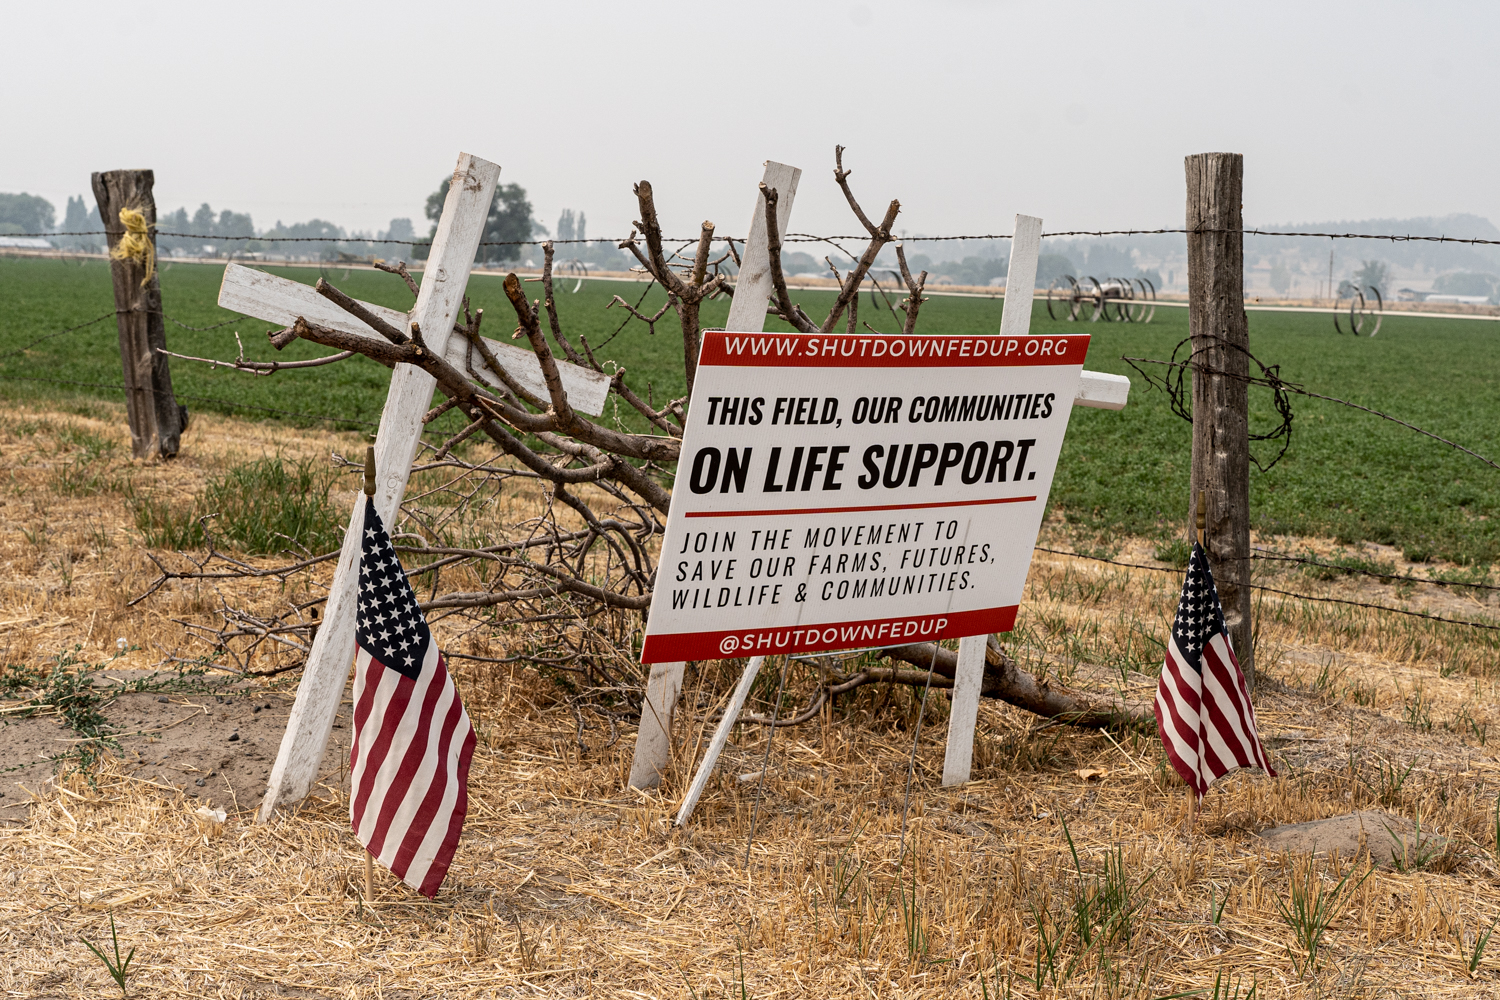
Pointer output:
1278, 385
1271, 380
116, 312
1356, 571
808, 237
1290, 593
200, 399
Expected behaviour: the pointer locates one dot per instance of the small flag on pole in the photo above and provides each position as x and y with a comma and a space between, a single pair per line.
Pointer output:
409, 763
1203, 709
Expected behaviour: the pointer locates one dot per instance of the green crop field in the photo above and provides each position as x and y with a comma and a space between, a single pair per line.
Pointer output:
1348, 475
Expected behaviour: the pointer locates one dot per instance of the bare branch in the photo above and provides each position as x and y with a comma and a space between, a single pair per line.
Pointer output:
789, 313
651, 230
1008, 682
700, 259
551, 306
261, 367
356, 309
650, 321
400, 269
913, 302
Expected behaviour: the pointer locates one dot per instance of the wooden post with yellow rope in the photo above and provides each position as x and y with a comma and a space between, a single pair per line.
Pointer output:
128, 208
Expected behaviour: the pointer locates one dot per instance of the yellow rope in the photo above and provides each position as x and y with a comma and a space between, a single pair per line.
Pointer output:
136, 244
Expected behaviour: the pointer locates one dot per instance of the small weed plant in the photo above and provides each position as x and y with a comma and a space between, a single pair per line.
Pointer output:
1098, 915
1311, 910
119, 968
1473, 953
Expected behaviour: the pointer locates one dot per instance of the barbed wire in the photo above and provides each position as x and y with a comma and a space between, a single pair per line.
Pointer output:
233, 404
809, 237
205, 329
117, 312
1177, 388
1357, 571
1279, 385
1290, 593
72, 329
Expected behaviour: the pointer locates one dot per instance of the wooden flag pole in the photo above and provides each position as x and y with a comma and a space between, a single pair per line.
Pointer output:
1202, 527
369, 862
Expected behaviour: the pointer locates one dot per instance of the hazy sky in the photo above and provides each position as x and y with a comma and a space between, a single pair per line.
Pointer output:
967, 111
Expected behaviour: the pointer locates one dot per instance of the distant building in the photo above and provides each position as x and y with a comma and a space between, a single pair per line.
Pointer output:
1412, 295
1463, 300
24, 243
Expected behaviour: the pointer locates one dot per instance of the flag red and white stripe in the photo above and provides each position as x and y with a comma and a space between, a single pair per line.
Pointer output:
1203, 708
412, 746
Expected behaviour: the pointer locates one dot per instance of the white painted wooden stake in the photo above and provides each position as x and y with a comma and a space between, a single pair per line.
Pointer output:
1020, 279
653, 740
747, 313
747, 310
721, 736
281, 300
967, 680
444, 280
1015, 321
1102, 391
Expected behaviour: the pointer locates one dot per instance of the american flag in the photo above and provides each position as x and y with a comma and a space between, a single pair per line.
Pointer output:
409, 763
1203, 709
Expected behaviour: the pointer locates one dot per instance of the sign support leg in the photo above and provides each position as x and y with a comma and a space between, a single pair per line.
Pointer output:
1015, 321
958, 760
721, 736
653, 741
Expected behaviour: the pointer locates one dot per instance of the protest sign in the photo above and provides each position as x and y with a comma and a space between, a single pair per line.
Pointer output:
839, 491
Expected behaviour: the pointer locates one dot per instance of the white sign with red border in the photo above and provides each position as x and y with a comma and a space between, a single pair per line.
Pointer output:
839, 491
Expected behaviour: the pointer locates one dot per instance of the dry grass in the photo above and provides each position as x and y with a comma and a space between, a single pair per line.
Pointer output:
568, 885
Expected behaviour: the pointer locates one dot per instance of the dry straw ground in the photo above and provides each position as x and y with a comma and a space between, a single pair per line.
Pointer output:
1063, 870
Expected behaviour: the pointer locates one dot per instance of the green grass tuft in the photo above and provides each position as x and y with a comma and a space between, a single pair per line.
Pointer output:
260, 507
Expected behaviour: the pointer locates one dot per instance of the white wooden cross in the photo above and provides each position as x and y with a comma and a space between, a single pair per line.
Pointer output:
1095, 389
444, 281
747, 312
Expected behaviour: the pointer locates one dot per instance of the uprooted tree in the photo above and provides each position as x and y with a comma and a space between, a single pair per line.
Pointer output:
574, 577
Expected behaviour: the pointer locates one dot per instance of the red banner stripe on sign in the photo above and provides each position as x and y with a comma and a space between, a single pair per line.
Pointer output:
832, 350
853, 510
826, 637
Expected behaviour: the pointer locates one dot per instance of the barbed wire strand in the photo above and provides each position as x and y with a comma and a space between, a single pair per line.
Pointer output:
1281, 385
118, 312
1287, 593
1356, 571
808, 237
59, 333
200, 399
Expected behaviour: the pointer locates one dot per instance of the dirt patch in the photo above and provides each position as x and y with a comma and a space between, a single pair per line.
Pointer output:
214, 747
1392, 841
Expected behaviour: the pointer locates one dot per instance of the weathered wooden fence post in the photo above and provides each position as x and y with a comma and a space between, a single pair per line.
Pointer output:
1221, 417
156, 421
